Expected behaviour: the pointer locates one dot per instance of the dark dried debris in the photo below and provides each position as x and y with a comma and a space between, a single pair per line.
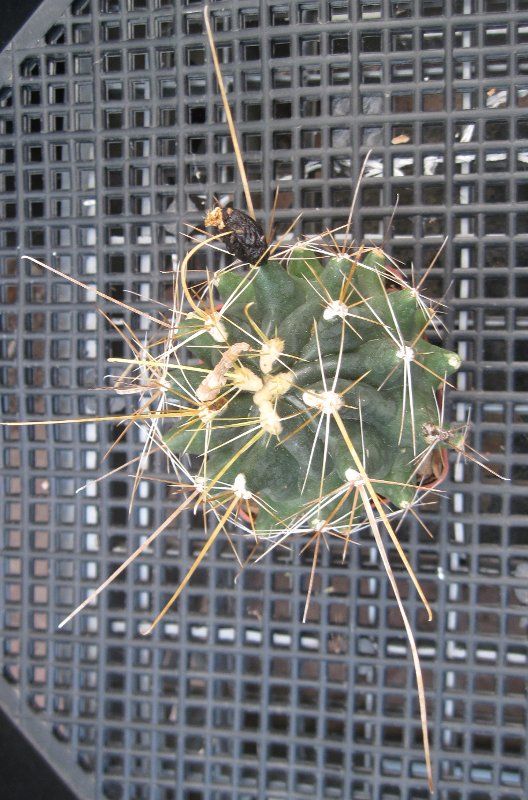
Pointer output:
246, 240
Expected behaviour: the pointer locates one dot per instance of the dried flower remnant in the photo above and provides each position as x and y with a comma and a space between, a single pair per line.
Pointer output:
245, 238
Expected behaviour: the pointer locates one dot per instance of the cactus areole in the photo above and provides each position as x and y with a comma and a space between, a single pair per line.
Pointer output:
313, 378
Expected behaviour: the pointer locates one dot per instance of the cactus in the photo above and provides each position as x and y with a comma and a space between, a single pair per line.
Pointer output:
313, 375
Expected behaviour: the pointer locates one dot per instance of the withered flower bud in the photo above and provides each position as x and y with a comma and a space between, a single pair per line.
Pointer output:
246, 240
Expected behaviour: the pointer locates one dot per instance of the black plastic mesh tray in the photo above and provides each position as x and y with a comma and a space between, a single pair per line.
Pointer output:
112, 138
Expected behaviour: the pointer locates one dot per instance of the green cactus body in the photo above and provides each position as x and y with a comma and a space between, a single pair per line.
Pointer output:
339, 343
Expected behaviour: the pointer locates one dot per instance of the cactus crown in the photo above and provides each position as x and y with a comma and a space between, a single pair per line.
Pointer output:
313, 376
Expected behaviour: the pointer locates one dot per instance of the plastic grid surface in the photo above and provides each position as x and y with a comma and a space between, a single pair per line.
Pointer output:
112, 138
